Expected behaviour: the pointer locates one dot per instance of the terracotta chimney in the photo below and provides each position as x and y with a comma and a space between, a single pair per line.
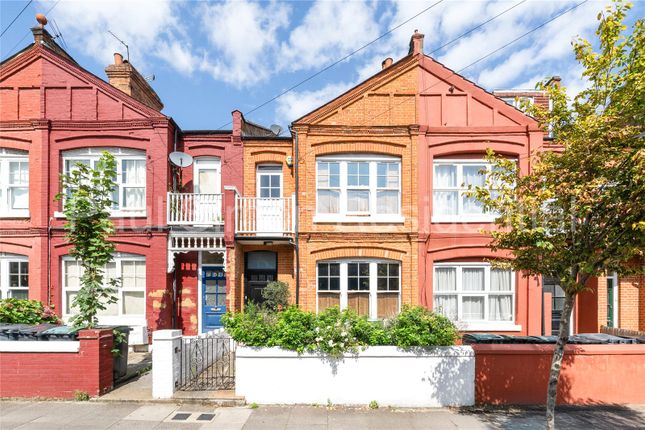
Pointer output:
123, 76
416, 43
118, 59
386, 63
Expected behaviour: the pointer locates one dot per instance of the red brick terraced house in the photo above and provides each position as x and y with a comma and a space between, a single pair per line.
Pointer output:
54, 114
362, 207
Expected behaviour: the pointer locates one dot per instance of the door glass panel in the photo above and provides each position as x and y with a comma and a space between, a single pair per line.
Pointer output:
261, 260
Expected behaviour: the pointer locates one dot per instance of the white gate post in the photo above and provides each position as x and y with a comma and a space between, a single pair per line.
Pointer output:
166, 355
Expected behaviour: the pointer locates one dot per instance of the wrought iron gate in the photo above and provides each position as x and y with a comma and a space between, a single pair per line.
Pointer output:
207, 363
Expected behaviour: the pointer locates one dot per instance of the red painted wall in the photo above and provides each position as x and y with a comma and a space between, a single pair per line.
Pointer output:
60, 374
591, 374
460, 120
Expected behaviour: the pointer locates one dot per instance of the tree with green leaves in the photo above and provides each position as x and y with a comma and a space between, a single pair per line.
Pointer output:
87, 199
580, 212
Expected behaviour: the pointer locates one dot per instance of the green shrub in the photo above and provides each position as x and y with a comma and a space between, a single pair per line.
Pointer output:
294, 329
417, 326
276, 295
18, 311
335, 332
253, 327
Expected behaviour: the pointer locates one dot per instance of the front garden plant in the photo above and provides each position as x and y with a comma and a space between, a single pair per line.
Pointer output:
335, 332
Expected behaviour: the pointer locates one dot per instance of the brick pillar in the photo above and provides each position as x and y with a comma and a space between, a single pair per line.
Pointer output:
98, 361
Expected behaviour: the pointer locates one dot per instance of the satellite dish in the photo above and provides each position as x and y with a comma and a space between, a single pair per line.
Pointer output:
276, 129
180, 159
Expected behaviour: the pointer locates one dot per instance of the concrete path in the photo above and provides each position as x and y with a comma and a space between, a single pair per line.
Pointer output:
114, 415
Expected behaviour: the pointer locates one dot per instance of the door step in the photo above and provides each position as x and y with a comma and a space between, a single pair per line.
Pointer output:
214, 397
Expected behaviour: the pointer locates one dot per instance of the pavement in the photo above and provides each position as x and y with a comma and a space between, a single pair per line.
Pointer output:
52, 415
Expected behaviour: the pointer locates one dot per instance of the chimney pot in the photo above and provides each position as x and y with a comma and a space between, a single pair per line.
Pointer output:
42, 20
118, 59
387, 63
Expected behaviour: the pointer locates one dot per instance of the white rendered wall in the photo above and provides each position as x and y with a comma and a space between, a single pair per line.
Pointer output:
432, 377
166, 352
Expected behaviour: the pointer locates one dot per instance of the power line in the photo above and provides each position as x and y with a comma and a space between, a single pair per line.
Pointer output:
17, 16
335, 63
27, 34
480, 59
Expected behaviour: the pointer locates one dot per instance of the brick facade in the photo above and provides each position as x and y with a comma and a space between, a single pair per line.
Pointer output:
60, 374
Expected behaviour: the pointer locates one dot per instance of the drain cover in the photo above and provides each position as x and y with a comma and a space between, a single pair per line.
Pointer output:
181, 417
205, 417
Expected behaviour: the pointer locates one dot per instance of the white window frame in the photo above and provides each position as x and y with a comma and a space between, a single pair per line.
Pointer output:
120, 154
5, 260
484, 324
8, 156
373, 277
461, 189
370, 216
268, 169
121, 318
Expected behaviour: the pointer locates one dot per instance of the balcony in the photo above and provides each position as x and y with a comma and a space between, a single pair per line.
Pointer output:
186, 209
260, 217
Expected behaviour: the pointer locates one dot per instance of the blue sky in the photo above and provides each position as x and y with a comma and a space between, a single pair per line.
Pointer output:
210, 58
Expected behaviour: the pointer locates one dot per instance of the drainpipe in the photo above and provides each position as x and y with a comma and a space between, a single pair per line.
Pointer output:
49, 261
174, 272
294, 133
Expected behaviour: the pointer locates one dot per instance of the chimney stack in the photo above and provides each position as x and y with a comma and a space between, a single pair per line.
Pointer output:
416, 43
123, 76
386, 63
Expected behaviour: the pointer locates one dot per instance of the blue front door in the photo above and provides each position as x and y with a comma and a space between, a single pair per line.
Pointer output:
213, 297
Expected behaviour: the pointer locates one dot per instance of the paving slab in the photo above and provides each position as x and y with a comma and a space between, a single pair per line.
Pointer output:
156, 412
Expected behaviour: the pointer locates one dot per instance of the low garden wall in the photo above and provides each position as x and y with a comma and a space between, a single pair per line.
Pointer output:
591, 374
419, 377
57, 369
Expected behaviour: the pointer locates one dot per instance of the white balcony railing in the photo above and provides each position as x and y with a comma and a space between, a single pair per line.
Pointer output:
194, 209
268, 217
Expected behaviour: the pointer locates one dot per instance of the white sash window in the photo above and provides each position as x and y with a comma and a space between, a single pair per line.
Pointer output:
14, 183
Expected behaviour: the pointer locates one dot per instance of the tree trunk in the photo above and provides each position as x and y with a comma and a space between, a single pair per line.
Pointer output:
556, 362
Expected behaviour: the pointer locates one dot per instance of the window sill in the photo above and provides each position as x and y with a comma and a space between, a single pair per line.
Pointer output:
113, 214
487, 326
15, 214
359, 219
463, 219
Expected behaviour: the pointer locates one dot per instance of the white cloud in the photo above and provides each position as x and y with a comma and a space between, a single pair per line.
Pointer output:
329, 30
141, 24
244, 36
293, 105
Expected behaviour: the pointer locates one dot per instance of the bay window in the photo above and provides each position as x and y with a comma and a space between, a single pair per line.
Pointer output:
14, 276
451, 180
369, 287
14, 183
475, 294
357, 188
129, 269
129, 193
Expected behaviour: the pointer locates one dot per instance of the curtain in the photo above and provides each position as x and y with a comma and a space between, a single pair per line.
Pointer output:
387, 202
473, 279
445, 176
444, 202
134, 176
472, 176
500, 280
358, 201
500, 308
445, 279
19, 184
446, 305
473, 308
328, 201
472, 205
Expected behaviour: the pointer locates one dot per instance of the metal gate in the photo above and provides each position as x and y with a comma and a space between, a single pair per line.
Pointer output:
207, 363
